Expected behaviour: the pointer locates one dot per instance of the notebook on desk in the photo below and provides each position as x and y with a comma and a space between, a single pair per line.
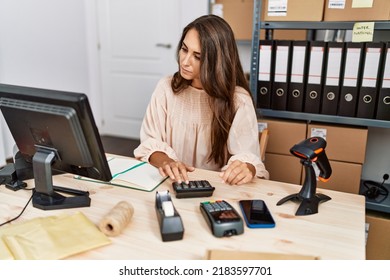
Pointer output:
131, 173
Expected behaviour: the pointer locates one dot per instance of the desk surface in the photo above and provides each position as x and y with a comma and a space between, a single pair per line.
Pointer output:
336, 232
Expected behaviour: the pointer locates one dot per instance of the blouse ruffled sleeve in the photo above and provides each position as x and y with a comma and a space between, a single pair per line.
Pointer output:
153, 132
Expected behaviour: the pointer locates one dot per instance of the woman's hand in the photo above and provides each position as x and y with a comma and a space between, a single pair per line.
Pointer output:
238, 173
176, 170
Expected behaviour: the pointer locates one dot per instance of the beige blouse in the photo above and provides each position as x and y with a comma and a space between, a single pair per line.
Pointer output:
180, 126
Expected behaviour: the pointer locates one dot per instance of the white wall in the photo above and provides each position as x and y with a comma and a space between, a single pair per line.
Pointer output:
43, 44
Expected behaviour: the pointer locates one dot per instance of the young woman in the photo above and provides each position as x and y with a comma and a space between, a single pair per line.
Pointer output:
203, 116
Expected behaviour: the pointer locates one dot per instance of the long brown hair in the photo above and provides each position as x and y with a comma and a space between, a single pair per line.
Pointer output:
220, 72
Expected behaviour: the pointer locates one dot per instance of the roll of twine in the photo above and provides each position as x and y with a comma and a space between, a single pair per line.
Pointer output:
114, 222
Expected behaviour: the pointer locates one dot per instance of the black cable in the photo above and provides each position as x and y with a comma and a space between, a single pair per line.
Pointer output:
20, 214
375, 189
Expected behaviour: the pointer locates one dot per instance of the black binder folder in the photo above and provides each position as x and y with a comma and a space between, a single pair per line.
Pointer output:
369, 87
281, 75
298, 77
351, 80
332, 72
266, 72
313, 94
383, 105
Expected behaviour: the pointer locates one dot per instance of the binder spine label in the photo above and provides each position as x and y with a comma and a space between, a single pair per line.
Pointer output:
281, 64
265, 63
315, 70
370, 74
351, 69
334, 63
297, 67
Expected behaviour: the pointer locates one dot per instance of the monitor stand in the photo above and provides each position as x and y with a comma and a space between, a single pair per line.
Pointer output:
45, 196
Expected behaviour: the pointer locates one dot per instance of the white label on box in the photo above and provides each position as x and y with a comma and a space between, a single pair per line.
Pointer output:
362, 3
318, 132
217, 9
277, 8
261, 126
316, 170
336, 4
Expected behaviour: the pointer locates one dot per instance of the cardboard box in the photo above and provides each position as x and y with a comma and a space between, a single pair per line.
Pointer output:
283, 135
296, 10
378, 245
344, 143
283, 168
345, 177
239, 15
380, 10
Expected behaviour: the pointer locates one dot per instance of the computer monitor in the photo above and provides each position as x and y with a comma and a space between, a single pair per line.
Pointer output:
55, 130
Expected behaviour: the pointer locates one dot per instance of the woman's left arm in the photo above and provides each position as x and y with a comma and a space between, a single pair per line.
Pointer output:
243, 144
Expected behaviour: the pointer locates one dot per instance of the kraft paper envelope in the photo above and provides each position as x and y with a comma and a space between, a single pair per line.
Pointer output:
51, 238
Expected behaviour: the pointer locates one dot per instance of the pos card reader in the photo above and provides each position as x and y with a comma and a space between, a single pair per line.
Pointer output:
222, 218
171, 225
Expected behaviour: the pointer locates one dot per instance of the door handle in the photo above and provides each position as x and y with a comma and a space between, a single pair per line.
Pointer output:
160, 45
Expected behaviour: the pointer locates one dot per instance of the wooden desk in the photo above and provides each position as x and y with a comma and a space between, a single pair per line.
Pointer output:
336, 232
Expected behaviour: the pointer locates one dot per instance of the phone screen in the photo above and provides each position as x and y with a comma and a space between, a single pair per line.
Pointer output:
256, 214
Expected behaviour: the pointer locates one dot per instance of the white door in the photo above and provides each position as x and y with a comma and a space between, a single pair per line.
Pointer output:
138, 40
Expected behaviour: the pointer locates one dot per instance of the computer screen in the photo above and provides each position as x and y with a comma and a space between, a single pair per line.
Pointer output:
55, 130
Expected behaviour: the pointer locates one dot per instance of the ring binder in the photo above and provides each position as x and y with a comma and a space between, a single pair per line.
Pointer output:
333, 71
371, 73
297, 86
351, 79
315, 77
281, 75
383, 109
266, 70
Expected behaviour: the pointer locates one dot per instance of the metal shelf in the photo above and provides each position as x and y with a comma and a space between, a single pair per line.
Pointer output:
308, 117
321, 25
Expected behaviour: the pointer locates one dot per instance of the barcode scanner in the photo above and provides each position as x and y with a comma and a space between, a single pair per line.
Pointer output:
310, 151
313, 149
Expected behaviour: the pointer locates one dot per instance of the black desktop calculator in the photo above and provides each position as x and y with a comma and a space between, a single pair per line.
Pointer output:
199, 188
222, 218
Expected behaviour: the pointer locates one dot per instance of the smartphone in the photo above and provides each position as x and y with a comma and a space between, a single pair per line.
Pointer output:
256, 214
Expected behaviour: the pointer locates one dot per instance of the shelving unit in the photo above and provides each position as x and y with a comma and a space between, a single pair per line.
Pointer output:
377, 247
257, 25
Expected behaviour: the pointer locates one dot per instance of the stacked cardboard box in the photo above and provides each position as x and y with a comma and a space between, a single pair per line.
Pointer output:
352, 10
281, 165
346, 151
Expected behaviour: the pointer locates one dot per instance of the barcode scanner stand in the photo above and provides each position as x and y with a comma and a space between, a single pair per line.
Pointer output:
310, 151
